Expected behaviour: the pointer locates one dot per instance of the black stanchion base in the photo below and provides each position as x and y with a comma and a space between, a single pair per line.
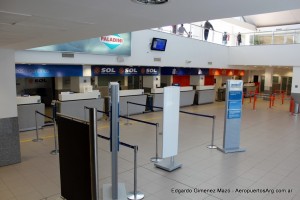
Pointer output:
54, 152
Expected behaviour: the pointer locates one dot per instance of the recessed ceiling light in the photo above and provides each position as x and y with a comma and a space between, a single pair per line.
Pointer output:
150, 2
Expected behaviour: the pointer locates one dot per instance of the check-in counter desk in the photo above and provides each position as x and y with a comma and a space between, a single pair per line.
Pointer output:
136, 96
187, 95
205, 94
249, 88
26, 112
72, 104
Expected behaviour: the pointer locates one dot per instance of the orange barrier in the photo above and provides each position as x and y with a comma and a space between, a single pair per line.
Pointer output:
243, 98
292, 105
254, 102
282, 98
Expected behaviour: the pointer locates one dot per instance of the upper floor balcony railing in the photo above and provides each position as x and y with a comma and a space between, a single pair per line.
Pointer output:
253, 38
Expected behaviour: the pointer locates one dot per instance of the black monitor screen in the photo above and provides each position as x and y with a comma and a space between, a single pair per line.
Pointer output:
158, 44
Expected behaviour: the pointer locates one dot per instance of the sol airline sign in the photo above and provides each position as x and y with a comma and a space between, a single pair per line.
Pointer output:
112, 41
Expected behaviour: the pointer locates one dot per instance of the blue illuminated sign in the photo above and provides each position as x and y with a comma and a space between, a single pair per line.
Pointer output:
234, 105
106, 70
234, 114
36, 71
235, 95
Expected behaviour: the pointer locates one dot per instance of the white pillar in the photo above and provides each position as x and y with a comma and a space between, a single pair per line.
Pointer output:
296, 84
9, 128
268, 78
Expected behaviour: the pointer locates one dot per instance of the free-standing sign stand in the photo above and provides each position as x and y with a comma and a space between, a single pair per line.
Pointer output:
170, 129
115, 191
233, 114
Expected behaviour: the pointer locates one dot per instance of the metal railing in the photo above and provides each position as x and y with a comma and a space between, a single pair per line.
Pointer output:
279, 37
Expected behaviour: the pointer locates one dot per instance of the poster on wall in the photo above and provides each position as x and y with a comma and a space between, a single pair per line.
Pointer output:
117, 44
35, 70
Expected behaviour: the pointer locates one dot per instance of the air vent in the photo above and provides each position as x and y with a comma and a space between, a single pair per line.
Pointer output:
157, 59
67, 55
150, 2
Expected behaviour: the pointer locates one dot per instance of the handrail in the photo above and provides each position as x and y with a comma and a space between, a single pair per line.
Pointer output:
255, 40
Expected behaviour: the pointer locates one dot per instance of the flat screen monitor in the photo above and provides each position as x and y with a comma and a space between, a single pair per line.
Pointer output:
158, 44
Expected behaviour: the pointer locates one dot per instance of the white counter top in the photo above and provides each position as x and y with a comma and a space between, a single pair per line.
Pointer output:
186, 88
65, 96
28, 100
205, 87
157, 90
123, 93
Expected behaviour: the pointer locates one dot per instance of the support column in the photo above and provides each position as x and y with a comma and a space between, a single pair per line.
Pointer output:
268, 79
296, 84
9, 127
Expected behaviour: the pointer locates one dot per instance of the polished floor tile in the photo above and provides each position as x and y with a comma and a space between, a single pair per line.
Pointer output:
271, 161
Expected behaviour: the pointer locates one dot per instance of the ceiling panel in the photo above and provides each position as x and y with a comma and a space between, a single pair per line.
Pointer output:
58, 21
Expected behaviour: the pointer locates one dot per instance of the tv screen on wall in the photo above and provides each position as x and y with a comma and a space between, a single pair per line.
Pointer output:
158, 44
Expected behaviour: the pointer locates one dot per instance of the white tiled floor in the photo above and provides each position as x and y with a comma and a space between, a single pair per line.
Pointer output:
271, 161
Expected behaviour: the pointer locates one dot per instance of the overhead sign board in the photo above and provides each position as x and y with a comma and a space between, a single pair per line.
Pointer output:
36, 70
117, 44
106, 70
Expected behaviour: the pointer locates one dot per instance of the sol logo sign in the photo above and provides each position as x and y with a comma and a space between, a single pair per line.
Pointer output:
112, 41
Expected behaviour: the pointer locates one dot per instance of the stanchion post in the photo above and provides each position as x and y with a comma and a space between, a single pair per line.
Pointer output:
156, 158
135, 195
254, 102
282, 97
55, 151
37, 139
273, 99
292, 104
270, 102
212, 146
127, 120
93, 153
250, 96
243, 98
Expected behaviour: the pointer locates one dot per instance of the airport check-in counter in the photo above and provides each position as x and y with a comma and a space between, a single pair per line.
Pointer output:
187, 95
72, 104
136, 96
205, 94
27, 105
249, 88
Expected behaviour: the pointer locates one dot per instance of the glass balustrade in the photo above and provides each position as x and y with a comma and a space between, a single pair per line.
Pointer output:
280, 37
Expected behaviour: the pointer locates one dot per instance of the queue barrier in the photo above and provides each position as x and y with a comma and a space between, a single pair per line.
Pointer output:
38, 139
211, 146
134, 195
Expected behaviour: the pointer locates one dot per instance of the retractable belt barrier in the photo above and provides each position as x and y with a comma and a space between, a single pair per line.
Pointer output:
134, 193
211, 146
271, 98
38, 139
153, 159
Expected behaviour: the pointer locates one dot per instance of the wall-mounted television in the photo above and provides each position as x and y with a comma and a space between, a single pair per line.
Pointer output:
158, 44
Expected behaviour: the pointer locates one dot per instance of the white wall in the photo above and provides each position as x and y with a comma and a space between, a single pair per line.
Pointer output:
8, 102
296, 80
278, 55
178, 51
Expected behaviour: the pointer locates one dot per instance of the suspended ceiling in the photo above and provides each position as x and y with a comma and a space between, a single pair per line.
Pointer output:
288, 17
32, 23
